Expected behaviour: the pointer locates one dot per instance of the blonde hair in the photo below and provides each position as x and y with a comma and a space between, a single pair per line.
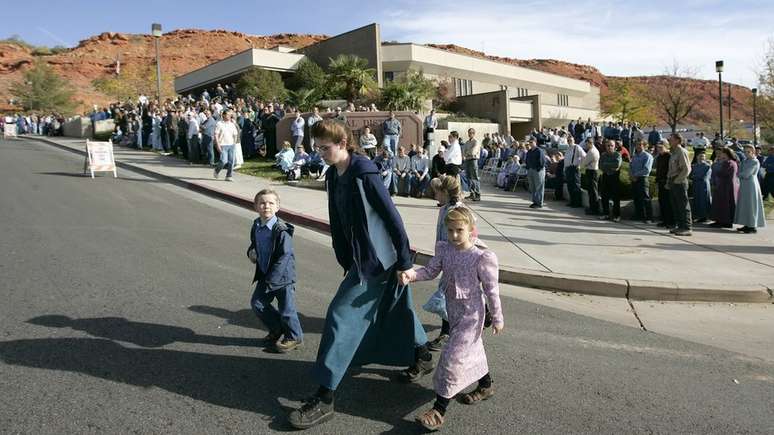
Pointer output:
286, 145
451, 185
460, 214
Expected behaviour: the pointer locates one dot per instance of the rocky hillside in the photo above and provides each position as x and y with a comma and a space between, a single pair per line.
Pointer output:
188, 49
181, 51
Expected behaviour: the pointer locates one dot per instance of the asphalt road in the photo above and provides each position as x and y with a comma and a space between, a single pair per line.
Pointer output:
125, 310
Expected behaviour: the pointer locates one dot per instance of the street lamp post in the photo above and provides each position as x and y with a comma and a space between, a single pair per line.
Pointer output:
719, 69
156, 32
755, 117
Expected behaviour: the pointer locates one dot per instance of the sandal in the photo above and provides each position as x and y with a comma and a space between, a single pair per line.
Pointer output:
431, 419
477, 395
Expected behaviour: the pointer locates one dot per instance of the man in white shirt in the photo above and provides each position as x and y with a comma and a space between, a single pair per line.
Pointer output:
297, 130
572, 162
453, 155
194, 153
226, 136
368, 142
590, 164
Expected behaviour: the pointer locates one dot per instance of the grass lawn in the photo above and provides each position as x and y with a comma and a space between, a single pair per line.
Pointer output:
261, 167
768, 205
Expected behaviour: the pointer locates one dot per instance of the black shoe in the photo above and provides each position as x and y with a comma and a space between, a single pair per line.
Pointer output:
417, 371
313, 412
533, 206
749, 230
438, 344
272, 338
716, 225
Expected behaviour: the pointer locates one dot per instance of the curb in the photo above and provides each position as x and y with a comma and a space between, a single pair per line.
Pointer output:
551, 281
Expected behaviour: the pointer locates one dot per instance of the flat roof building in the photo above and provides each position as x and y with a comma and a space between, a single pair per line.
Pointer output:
517, 98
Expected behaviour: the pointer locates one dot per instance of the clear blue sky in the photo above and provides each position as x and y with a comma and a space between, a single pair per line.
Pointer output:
620, 37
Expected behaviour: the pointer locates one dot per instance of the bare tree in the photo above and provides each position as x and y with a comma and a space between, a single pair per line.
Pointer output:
766, 92
674, 94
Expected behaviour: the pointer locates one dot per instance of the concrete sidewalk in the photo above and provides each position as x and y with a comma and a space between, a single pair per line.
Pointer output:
555, 248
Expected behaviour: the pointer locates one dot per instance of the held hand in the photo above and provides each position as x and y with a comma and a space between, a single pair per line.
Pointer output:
253, 256
497, 329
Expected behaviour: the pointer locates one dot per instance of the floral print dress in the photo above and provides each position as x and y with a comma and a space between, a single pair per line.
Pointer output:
471, 277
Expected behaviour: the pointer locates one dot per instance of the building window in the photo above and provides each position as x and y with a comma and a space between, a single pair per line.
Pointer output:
389, 76
562, 100
463, 87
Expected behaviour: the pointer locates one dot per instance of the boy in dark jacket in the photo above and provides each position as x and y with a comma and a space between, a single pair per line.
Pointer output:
271, 250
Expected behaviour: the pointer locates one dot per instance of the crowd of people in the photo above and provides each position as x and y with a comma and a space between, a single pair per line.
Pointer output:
727, 182
220, 129
41, 125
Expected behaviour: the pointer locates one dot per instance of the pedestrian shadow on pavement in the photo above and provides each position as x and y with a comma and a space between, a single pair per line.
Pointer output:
138, 333
250, 384
246, 318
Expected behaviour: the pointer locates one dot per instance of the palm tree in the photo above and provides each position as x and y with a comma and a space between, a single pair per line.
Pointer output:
352, 74
304, 99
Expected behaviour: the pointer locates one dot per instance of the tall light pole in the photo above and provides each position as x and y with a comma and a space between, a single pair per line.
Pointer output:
719, 69
156, 32
755, 117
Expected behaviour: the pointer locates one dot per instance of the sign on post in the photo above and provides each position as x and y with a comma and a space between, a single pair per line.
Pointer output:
99, 158
9, 130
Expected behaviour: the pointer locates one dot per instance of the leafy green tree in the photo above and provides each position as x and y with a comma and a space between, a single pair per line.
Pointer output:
408, 92
627, 102
308, 75
350, 76
262, 84
43, 90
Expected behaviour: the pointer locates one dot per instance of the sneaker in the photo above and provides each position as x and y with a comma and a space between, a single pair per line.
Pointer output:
229, 178
313, 412
417, 371
533, 206
673, 230
286, 345
682, 233
647, 222
438, 344
215, 173
616, 219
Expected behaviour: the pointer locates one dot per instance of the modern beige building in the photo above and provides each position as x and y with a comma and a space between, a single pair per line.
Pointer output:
517, 98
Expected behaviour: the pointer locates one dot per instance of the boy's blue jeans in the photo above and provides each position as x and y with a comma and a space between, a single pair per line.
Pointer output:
284, 318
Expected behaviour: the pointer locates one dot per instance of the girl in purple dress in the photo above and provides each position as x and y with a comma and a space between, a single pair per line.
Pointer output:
471, 277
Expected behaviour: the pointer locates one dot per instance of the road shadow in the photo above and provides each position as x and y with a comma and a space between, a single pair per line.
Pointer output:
138, 333
247, 319
98, 174
251, 384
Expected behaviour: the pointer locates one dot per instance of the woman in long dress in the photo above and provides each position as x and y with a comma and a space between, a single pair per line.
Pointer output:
749, 209
725, 186
702, 198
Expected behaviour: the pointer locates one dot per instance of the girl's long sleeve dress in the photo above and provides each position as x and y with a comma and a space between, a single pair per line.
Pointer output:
471, 277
